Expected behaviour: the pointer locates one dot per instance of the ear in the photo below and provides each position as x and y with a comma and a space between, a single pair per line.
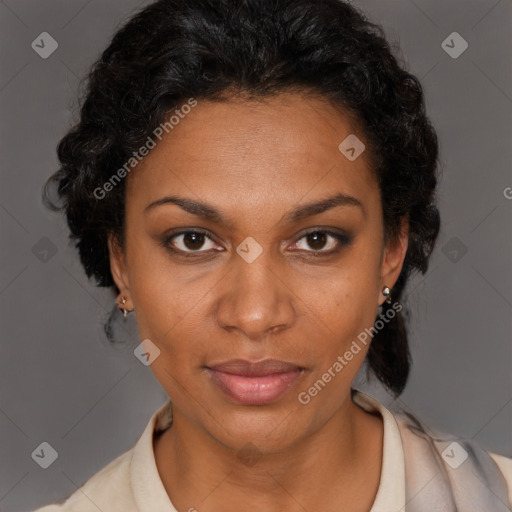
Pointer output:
118, 265
393, 258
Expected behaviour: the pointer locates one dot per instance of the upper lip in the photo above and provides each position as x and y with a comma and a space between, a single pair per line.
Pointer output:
259, 368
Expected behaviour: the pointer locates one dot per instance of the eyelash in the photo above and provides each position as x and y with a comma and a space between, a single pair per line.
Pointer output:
342, 239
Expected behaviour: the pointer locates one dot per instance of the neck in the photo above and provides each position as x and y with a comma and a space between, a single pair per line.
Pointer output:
338, 463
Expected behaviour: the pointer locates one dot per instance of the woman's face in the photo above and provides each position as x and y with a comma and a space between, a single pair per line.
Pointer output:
248, 268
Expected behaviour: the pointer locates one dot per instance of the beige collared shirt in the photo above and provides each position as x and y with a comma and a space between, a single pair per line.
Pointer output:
131, 483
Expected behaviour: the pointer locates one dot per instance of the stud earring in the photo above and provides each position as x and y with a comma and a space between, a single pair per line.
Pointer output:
124, 310
387, 293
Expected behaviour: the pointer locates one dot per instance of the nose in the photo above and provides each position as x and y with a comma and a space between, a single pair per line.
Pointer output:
255, 299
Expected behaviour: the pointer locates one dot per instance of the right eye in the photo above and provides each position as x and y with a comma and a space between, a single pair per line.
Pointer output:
189, 242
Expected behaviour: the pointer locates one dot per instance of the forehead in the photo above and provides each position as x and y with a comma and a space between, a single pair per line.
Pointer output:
284, 145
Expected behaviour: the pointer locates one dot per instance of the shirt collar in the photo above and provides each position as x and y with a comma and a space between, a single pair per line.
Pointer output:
391, 492
147, 487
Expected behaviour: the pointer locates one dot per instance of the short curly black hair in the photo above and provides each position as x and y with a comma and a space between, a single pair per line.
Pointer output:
174, 50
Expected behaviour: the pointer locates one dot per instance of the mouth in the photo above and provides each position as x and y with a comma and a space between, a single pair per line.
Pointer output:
255, 383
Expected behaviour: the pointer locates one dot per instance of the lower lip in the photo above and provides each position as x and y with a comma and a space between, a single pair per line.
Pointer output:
260, 390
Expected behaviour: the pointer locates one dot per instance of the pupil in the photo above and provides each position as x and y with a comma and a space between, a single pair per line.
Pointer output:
317, 240
193, 241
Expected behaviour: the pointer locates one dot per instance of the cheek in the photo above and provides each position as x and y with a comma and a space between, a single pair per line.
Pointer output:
164, 294
345, 301
168, 305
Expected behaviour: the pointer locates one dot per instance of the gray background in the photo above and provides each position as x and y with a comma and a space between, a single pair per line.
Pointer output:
62, 382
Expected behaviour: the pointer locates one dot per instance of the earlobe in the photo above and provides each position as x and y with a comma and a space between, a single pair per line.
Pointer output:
394, 256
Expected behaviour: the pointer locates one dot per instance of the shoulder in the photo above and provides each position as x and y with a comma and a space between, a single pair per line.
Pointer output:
127, 481
505, 466
461, 463
108, 488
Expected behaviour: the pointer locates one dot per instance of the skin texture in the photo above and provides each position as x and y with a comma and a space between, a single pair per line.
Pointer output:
255, 162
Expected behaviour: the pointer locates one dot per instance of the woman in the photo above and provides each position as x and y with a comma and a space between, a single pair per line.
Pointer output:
256, 180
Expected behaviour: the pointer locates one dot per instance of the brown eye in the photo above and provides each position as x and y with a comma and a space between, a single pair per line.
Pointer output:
322, 242
193, 241
317, 240
190, 241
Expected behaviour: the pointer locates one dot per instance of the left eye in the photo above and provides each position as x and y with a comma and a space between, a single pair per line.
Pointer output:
322, 241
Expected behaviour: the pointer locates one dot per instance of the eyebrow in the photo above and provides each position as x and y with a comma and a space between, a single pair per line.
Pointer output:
209, 212
317, 207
